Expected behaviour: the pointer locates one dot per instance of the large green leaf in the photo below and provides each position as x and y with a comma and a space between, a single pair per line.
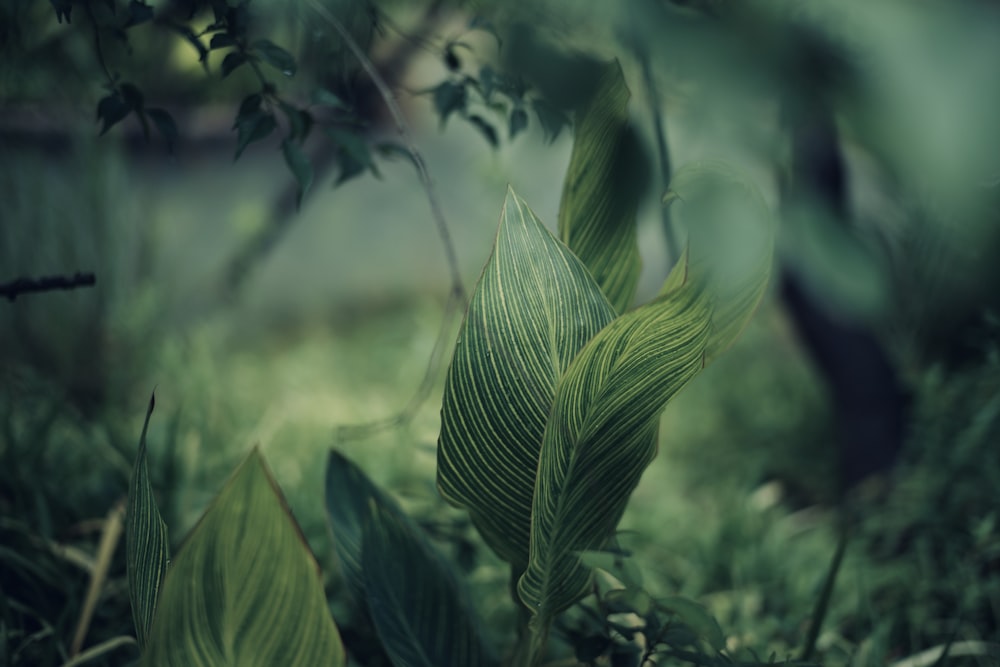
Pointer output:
245, 589
730, 244
534, 308
420, 611
602, 189
146, 547
601, 436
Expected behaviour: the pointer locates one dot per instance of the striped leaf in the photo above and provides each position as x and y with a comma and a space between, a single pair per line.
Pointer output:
244, 589
146, 547
534, 308
420, 611
601, 436
730, 244
602, 190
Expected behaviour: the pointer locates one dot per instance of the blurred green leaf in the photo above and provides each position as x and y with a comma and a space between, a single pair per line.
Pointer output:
221, 40
275, 56
165, 124
244, 589
300, 121
232, 60
252, 126
551, 119
601, 192
353, 152
485, 129
146, 546
326, 98
449, 97
300, 167
534, 308
696, 617
518, 122
111, 110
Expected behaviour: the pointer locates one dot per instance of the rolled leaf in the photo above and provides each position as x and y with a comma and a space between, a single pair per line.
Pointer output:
146, 546
534, 308
601, 192
730, 245
601, 436
244, 589
420, 611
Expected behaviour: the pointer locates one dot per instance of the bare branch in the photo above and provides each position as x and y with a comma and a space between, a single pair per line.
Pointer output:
20, 286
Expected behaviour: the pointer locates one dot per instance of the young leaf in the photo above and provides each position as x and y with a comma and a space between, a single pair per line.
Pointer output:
300, 167
601, 435
534, 308
146, 547
111, 110
602, 190
275, 56
165, 124
448, 98
383, 551
244, 589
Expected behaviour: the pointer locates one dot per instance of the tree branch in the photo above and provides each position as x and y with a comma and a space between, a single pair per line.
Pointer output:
20, 286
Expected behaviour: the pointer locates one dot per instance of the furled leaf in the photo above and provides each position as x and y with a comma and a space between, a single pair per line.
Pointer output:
146, 547
730, 241
602, 190
601, 435
275, 56
244, 589
534, 308
300, 167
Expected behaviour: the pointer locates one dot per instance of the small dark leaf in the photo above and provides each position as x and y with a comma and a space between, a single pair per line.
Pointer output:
299, 165
111, 110
138, 12
590, 648
164, 124
326, 98
132, 96
253, 127
221, 40
250, 104
275, 56
63, 9
451, 60
487, 81
552, 120
300, 121
232, 61
518, 122
353, 153
448, 98
486, 129
392, 150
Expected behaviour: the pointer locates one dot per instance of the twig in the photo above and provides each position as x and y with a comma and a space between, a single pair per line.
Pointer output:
401, 126
99, 650
109, 541
457, 296
20, 286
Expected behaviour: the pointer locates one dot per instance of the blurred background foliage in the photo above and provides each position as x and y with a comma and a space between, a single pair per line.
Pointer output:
261, 322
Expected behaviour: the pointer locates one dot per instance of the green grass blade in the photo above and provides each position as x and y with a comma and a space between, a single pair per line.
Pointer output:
602, 435
534, 308
421, 613
602, 189
244, 589
146, 546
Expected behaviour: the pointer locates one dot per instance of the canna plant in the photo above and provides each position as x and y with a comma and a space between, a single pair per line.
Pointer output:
549, 417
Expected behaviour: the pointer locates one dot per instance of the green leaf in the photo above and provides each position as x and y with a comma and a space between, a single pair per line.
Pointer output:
600, 437
485, 129
232, 60
300, 167
300, 121
111, 110
602, 190
221, 40
146, 547
696, 617
551, 119
383, 551
448, 98
251, 127
326, 98
730, 244
244, 589
534, 308
275, 56
353, 153
518, 122
165, 124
